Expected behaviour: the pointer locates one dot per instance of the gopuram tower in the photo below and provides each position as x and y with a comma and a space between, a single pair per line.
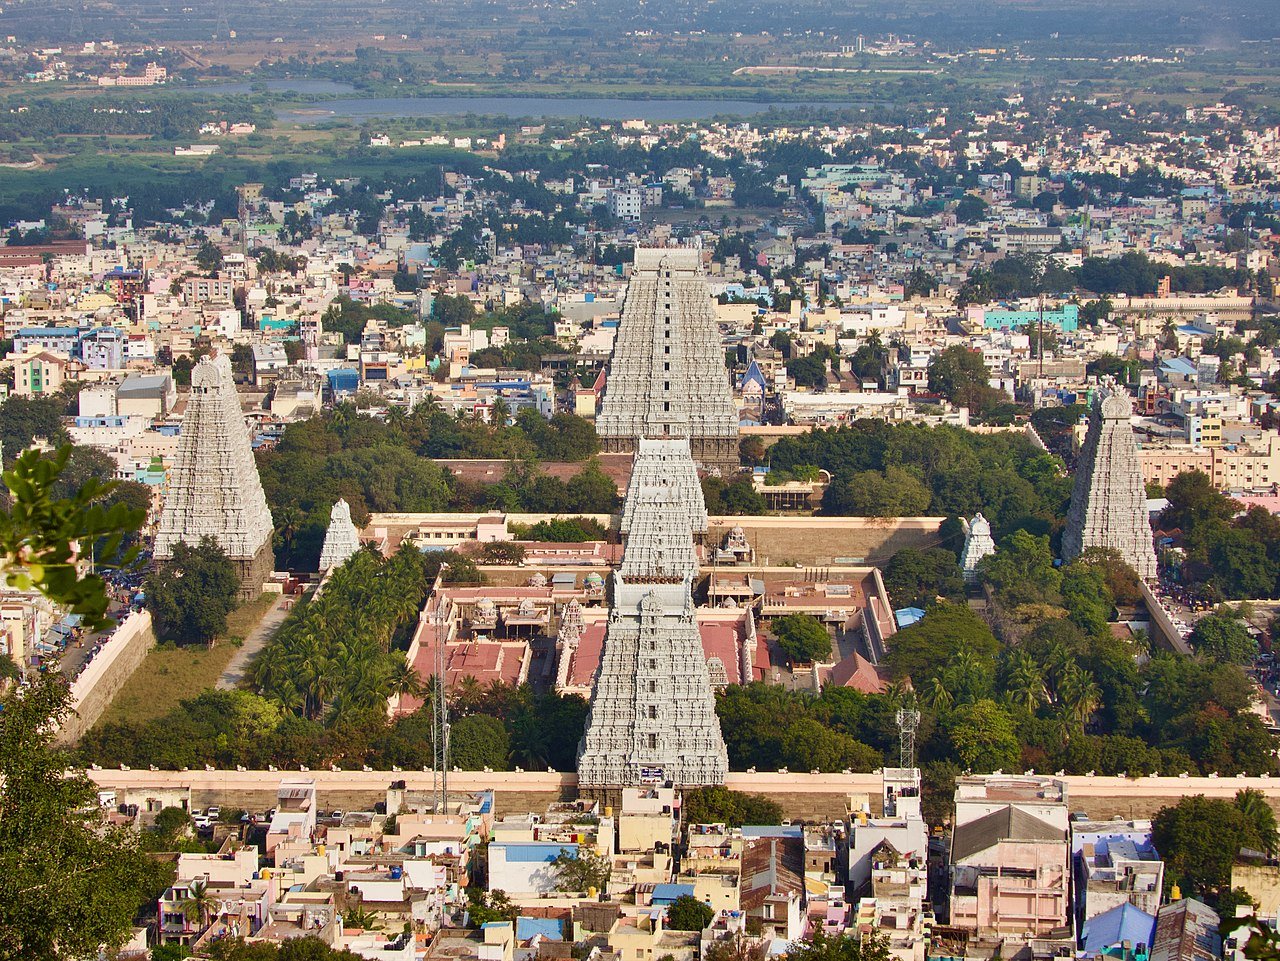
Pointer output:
1108, 502
653, 717
214, 489
667, 376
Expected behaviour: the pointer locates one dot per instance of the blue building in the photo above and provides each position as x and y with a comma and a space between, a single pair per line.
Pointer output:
1065, 318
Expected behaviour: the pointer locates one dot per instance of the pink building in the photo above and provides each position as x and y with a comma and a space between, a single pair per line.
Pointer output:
1010, 858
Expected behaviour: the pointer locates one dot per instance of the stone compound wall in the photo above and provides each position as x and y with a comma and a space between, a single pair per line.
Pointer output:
828, 541
102, 679
801, 795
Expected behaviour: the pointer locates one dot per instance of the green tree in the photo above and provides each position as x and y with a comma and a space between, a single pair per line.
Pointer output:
199, 905
209, 258
1222, 636
919, 577
959, 375
891, 493
69, 883
923, 650
40, 531
809, 745
821, 946
719, 805
478, 741
970, 209
191, 595
1198, 838
579, 871
802, 638
1021, 571
1254, 806
983, 737
1193, 500
687, 913
1087, 597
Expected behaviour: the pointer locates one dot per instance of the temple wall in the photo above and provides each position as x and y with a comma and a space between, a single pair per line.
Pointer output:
829, 541
103, 677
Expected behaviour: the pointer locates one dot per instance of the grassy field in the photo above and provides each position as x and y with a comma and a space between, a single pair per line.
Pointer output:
170, 675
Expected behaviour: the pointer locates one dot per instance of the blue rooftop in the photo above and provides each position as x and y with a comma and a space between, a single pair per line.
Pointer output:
548, 928
1124, 922
1180, 366
664, 894
772, 831
535, 852
908, 616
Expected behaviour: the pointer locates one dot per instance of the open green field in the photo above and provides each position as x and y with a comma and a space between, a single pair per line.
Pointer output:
169, 675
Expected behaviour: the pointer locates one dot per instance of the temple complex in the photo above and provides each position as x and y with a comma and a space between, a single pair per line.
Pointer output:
1108, 502
667, 376
214, 489
978, 544
652, 716
341, 540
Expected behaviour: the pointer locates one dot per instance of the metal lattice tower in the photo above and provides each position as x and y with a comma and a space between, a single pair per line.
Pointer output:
222, 29
908, 722
75, 21
440, 713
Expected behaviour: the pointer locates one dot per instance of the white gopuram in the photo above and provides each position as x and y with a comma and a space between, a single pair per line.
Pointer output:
977, 545
652, 716
1109, 500
667, 376
341, 540
213, 487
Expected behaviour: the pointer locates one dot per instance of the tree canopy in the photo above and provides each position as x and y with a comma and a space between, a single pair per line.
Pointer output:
68, 882
191, 595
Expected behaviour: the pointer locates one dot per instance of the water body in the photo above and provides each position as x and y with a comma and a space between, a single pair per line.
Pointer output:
362, 108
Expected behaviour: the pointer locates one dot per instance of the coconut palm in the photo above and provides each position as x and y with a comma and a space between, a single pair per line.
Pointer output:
1253, 805
1079, 695
1024, 684
199, 904
467, 694
405, 680
934, 694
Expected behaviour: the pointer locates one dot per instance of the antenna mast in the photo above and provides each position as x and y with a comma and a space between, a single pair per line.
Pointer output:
440, 709
908, 722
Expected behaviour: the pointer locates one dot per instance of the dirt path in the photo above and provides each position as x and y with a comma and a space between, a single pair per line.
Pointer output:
238, 667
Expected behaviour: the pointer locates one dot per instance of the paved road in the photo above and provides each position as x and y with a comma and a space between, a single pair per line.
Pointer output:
234, 673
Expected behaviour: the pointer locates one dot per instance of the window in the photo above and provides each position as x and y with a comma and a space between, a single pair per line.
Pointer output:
653, 741
653, 712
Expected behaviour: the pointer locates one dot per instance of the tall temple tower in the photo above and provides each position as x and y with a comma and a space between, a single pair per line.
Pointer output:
653, 716
977, 545
341, 540
214, 489
667, 376
1108, 502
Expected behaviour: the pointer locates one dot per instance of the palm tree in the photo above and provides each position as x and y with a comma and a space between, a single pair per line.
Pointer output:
1059, 662
199, 903
1253, 805
467, 694
287, 527
405, 680
935, 694
1024, 684
1079, 695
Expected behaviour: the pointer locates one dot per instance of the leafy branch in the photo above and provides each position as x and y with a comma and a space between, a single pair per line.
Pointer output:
41, 535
